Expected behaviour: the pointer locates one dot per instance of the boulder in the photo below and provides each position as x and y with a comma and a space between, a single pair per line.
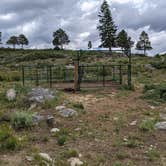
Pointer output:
50, 121
163, 116
75, 161
161, 125
40, 95
46, 157
11, 94
60, 108
55, 130
68, 112
37, 118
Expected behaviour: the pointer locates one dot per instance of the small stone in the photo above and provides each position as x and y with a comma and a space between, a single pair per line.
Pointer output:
60, 108
163, 116
33, 106
77, 129
11, 95
152, 107
50, 121
55, 130
75, 162
45, 156
161, 126
133, 123
29, 158
68, 113
37, 119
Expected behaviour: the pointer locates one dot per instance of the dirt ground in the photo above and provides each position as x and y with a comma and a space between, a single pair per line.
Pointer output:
107, 134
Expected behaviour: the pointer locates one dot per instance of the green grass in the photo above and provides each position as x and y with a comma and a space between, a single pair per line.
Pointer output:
147, 125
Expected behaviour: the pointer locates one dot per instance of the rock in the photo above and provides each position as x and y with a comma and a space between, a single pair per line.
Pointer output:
68, 112
45, 156
149, 67
29, 158
75, 161
152, 107
59, 108
40, 95
55, 130
38, 118
33, 106
133, 123
163, 116
50, 121
11, 95
161, 125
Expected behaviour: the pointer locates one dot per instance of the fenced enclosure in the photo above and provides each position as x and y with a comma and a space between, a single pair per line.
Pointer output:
76, 77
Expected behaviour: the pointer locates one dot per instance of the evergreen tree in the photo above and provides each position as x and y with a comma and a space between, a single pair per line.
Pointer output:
89, 45
60, 38
124, 41
0, 37
22, 40
13, 41
144, 43
106, 27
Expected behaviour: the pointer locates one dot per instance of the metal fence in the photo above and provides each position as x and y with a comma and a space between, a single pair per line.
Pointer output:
85, 76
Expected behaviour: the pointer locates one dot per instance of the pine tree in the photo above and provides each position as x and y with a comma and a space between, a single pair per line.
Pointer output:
13, 41
0, 37
22, 40
124, 41
106, 27
89, 45
60, 38
144, 43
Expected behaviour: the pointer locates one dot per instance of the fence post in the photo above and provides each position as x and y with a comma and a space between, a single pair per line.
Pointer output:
50, 80
23, 76
129, 76
37, 77
120, 74
76, 68
103, 75
113, 73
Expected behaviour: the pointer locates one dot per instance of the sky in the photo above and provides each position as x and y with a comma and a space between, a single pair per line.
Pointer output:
38, 19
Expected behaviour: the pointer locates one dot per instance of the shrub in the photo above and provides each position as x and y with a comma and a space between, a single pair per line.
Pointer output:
147, 125
21, 120
71, 153
61, 139
7, 139
153, 154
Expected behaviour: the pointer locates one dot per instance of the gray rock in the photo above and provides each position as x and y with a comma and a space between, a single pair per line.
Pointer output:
163, 116
50, 121
11, 94
60, 108
68, 112
149, 67
161, 125
40, 95
38, 118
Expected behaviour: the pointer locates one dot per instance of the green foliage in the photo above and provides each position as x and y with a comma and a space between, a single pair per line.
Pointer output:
147, 125
79, 106
22, 40
7, 139
106, 27
124, 41
61, 136
22, 120
144, 43
70, 153
60, 38
152, 92
153, 154
117, 163
13, 41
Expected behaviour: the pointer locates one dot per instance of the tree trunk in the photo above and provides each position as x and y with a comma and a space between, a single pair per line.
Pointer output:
110, 50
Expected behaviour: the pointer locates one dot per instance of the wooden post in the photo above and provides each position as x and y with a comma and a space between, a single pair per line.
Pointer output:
23, 76
103, 75
120, 74
50, 80
37, 77
76, 86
